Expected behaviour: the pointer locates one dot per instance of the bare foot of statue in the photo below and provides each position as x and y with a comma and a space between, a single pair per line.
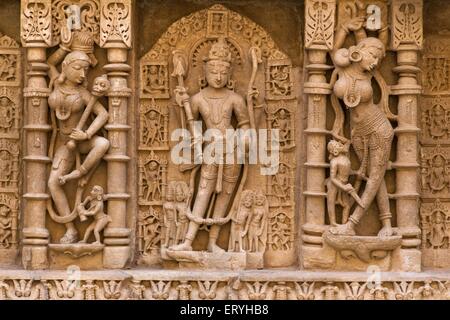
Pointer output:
181, 247
71, 236
75, 174
347, 229
386, 231
214, 248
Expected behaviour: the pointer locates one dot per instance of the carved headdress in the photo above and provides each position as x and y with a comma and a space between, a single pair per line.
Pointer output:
84, 42
219, 51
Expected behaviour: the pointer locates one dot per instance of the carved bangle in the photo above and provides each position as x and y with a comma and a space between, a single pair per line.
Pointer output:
64, 48
385, 216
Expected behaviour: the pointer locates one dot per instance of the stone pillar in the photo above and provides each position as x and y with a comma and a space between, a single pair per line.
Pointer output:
115, 36
407, 38
319, 35
36, 37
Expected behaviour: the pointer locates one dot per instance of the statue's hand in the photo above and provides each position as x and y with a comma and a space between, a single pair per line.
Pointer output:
252, 93
79, 135
181, 95
348, 187
355, 24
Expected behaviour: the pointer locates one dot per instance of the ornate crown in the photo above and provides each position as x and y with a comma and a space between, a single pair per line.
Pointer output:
219, 51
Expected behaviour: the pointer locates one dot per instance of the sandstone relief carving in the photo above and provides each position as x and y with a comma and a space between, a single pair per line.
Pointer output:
223, 62
113, 187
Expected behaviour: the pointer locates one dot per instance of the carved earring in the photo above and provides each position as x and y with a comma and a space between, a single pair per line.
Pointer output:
202, 82
355, 54
231, 84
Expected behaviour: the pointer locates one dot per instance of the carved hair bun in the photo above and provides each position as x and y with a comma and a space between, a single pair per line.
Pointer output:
342, 58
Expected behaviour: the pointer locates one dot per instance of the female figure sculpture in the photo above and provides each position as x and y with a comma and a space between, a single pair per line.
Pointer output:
371, 131
68, 101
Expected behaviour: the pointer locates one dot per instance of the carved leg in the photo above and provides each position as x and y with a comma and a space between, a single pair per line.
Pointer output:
376, 177
63, 162
223, 203
384, 209
100, 225
95, 148
88, 232
201, 204
331, 202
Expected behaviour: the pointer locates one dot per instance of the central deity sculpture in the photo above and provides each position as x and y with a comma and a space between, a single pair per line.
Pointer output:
71, 104
215, 104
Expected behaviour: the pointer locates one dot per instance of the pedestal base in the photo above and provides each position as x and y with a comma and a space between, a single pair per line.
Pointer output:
116, 257
34, 257
206, 260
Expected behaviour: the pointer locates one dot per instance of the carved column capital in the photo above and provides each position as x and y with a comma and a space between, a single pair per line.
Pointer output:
407, 23
115, 24
319, 29
36, 23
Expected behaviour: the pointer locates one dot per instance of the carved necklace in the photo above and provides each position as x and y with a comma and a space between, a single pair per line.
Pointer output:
64, 110
352, 96
215, 105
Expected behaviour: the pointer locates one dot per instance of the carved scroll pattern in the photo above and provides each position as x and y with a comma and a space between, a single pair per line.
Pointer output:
89, 17
319, 27
407, 23
36, 21
116, 25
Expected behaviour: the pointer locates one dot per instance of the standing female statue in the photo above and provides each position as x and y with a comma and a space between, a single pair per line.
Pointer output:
68, 101
371, 131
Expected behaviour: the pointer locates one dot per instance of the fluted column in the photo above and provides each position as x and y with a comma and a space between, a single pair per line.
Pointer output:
318, 42
115, 36
407, 41
36, 37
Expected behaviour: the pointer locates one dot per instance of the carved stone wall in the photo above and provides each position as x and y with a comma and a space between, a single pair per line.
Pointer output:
346, 102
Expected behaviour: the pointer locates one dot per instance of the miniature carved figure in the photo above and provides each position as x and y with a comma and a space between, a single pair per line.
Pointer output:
155, 79
438, 236
152, 180
280, 84
71, 103
240, 221
170, 216
182, 196
283, 124
95, 210
6, 114
215, 104
257, 227
281, 185
371, 131
5, 166
5, 226
149, 230
280, 233
339, 189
